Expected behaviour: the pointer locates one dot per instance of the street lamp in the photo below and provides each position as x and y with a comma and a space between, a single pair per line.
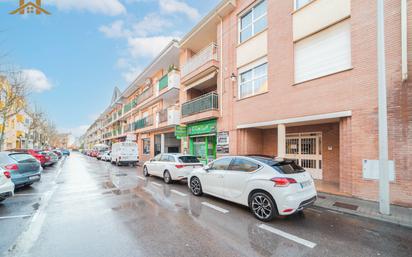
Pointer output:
384, 204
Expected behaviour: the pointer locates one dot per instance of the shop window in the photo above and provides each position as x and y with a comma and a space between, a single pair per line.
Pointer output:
146, 146
253, 21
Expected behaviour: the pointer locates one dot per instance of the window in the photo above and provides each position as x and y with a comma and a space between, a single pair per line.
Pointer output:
23, 158
243, 165
221, 164
253, 81
188, 159
157, 157
301, 3
164, 158
253, 21
146, 146
324, 53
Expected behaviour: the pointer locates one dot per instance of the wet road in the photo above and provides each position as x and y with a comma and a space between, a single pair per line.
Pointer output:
84, 207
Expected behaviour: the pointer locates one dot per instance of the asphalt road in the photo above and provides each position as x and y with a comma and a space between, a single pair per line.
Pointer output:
85, 207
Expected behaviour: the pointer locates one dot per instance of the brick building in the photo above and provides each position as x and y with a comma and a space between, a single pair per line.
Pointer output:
298, 79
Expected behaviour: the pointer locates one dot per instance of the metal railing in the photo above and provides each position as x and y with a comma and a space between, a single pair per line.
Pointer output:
207, 102
208, 53
144, 122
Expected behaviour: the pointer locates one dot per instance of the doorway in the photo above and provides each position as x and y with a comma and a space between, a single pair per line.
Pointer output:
306, 150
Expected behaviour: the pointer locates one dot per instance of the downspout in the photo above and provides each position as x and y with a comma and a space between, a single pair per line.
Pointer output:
404, 38
221, 65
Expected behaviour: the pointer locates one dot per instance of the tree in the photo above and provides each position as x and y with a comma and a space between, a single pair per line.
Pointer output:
13, 92
37, 120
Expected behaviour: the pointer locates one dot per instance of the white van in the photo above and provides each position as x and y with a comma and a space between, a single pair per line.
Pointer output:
125, 153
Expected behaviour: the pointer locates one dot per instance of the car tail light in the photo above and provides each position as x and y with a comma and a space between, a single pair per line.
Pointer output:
283, 182
12, 167
7, 174
179, 166
288, 210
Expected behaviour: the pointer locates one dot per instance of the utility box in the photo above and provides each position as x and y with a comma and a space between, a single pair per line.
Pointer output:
370, 169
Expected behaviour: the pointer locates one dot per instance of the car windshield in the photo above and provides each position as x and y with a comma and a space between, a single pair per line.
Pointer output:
22, 157
188, 159
285, 167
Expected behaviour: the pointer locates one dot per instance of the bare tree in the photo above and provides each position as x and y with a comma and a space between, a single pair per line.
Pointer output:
13, 92
37, 120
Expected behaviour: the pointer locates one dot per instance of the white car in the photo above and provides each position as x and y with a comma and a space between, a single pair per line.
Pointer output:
106, 156
125, 153
6, 185
267, 186
171, 167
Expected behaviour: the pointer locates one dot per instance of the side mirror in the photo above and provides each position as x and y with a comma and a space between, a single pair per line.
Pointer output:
206, 168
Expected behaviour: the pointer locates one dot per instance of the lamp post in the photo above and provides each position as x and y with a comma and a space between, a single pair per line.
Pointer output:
384, 204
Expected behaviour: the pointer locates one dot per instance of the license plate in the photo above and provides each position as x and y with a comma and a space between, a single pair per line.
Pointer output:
34, 177
305, 184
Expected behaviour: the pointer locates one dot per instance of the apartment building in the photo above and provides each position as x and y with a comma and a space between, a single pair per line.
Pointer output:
298, 79
16, 132
148, 110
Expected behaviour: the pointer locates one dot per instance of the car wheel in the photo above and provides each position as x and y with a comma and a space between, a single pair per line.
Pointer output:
263, 206
196, 186
166, 177
145, 172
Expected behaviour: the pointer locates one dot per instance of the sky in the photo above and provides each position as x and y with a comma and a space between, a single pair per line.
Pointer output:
73, 58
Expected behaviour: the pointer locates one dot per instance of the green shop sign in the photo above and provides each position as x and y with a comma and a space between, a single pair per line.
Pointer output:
180, 132
204, 127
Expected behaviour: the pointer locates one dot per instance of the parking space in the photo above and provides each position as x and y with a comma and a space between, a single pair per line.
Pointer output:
105, 210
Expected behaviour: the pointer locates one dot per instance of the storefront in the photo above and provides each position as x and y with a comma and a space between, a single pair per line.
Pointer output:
202, 140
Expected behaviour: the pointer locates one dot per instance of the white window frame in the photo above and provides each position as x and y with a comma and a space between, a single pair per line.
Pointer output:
248, 68
246, 12
295, 4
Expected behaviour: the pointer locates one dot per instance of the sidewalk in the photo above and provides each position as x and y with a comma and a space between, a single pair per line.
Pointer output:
399, 215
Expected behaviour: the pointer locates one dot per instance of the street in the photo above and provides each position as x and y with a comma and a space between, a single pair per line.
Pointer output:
86, 207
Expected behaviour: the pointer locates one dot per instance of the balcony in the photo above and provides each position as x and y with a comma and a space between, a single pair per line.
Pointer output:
169, 116
201, 64
143, 123
201, 108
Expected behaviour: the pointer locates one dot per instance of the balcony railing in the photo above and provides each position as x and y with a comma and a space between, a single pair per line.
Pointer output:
142, 123
163, 82
207, 54
200, 104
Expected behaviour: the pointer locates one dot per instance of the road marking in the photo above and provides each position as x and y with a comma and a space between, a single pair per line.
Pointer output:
142, 178
156, 184
217, 208
148, 190
178, 193
26, 240
288, 236
29, 194
14, 217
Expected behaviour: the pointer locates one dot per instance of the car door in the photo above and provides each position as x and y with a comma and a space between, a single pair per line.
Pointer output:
213, 177
239, 173
152, 165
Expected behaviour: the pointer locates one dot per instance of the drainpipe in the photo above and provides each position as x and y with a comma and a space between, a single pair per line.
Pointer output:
221, 65
404, 33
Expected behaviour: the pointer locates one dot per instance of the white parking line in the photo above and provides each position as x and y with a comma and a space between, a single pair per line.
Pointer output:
217, 208
288, 236
14, 217
178, 193
30, 194
156, 184
142, 178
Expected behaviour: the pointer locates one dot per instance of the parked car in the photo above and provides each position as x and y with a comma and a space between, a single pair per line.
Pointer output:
42, 158
53, 158
267, 186
125, 153
58, 153
171, 167
100, 154
106, 156
65, 152
23, 167
6, 185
